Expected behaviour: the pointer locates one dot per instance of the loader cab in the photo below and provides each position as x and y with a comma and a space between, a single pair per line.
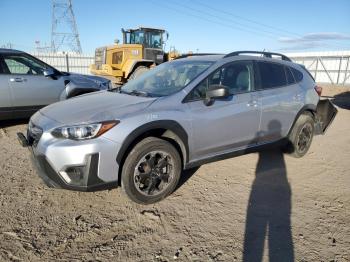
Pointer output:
151, 39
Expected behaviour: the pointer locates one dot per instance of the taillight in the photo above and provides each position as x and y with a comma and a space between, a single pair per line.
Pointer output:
318, 90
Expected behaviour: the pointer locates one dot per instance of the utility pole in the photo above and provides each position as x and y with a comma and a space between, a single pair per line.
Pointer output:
64, 33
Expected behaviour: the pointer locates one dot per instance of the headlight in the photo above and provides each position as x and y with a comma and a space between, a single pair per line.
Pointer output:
84, 131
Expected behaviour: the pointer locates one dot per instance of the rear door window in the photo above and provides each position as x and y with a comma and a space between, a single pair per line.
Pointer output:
271, 75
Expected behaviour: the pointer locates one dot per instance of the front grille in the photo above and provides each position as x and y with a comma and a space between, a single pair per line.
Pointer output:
34, 134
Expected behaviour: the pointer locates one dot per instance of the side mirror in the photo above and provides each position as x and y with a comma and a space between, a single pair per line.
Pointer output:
49, 72
216, 91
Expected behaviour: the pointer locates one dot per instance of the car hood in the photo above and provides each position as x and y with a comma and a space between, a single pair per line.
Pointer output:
96, 107
88, 81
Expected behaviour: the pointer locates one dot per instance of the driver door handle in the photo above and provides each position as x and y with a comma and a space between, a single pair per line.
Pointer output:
18, 79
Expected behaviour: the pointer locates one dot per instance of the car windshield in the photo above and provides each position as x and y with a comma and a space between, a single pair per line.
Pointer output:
166, 79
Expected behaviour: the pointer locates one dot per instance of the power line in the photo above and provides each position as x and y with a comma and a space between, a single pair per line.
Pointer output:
336, 44
247, 19
233, 24
230, 20
235, 27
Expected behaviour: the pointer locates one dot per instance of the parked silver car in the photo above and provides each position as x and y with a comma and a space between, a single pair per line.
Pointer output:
28, 84
179, 115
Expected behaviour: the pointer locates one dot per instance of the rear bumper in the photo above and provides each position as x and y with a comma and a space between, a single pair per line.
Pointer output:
325, 114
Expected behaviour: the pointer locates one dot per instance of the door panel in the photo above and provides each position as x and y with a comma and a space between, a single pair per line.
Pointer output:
34, 90
226, 125
229, 123
279, 107
28, 86
280, 98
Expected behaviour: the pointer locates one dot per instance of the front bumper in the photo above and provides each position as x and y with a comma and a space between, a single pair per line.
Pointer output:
74, 165
53, 179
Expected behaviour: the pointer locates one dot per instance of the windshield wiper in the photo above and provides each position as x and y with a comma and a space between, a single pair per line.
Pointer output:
133, 92
138, 93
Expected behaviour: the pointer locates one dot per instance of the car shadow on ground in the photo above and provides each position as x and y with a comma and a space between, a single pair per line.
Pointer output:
186, 175
14, 122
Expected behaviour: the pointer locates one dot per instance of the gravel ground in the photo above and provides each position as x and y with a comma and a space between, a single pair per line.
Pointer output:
265, 206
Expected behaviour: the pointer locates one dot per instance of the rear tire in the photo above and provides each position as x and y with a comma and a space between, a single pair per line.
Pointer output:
300, 138
140, 70
151, 171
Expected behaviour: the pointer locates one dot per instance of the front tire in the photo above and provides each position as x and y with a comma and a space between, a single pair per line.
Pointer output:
151, 171
300, 138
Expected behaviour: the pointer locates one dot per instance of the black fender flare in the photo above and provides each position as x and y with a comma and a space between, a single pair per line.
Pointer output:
178, 134
305, 108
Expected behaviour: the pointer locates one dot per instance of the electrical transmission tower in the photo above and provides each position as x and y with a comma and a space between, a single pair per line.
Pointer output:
64, 34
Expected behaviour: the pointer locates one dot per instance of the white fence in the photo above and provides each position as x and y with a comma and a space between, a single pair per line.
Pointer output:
326, 67
68, 62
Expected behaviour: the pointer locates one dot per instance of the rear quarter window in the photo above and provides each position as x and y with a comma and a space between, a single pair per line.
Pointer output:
297, 74
272, 75
289, 75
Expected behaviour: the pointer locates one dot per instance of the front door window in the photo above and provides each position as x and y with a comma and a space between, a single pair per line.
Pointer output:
238, 77
20, 64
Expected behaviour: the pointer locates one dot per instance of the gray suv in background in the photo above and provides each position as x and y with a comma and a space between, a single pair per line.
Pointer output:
28, 84
179, 115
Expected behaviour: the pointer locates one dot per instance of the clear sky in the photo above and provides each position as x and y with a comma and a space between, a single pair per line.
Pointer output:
197, 25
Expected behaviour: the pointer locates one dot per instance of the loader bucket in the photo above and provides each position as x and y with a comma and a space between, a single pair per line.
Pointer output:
325, 113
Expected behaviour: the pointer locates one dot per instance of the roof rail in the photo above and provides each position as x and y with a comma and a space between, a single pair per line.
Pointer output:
196, 54
265, 54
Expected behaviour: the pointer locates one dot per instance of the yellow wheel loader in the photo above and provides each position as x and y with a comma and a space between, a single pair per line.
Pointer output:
142, 49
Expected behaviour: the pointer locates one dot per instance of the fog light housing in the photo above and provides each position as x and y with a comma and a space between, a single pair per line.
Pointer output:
80, 175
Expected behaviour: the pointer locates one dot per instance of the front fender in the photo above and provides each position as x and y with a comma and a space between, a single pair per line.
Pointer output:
72, 89
180, 136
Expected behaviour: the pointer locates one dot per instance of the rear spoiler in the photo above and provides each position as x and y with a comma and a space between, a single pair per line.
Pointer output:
325, 114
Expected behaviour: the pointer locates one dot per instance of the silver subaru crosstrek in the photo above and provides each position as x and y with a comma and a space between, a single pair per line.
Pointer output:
179, 115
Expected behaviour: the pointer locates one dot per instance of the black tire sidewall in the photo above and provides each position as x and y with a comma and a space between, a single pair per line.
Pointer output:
299, 125
142, 148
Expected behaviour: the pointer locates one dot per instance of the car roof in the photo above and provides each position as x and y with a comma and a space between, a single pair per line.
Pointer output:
10, 51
